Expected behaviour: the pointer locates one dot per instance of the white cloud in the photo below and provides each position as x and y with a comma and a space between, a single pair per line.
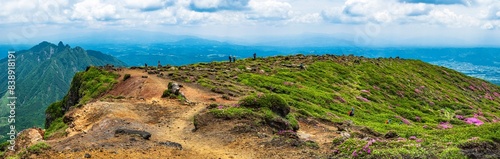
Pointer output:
307, 18
395, 12
94, 10
28, 11
218, 5
269, 10
451, 19
146, 5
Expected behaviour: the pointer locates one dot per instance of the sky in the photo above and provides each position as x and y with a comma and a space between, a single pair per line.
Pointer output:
364, 22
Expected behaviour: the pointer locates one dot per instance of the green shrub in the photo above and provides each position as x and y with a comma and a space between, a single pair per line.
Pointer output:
232, 112
165, 94
56, 127
452, 153
127, 76
293, 121
55, 109
272, 101
38, 148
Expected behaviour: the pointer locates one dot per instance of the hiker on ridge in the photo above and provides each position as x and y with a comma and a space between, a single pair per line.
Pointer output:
254, 56
230, 59
351, 113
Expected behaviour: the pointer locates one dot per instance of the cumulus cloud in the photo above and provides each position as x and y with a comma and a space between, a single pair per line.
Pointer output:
147, 5
269, 10
396, 12
94, 10
218, 5
493, 12
464, 2
378, 11
28, 11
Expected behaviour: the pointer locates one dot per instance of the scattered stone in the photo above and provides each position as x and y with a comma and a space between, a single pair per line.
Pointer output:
225, 97
262, 135
391, 134
144, 76
87, 155
171, 144
345, 135
369, 131
145, 135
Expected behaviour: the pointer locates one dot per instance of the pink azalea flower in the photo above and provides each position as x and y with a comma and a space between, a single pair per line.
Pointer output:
340, 99
474, 121
496, 94
418, 91
472, 88
445, 125
488, 96
404, 120
459, 117
362, 99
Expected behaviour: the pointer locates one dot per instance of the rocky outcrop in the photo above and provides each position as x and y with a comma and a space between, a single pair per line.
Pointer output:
27, 138
145, 135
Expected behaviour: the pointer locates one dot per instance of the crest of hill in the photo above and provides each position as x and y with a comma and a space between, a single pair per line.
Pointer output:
43, 75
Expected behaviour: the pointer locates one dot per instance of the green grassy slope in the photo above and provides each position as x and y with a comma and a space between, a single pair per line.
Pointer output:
418, 98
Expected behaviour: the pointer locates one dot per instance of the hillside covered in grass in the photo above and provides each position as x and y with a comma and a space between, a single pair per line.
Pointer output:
431, 111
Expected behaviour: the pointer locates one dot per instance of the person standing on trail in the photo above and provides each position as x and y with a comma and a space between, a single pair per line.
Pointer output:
230, 58
254, 56
351, 113
234, 58
146, 67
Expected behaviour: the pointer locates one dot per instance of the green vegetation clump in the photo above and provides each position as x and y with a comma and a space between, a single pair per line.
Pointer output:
269, 108
127, 76
3, 147
38, 147
93, 83
57, 128
166, 93
272, 101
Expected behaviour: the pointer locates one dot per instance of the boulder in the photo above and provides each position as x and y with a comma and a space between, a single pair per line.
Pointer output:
145, 135
391, 134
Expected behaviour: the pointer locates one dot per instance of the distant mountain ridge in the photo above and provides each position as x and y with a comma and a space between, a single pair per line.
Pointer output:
43, 76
